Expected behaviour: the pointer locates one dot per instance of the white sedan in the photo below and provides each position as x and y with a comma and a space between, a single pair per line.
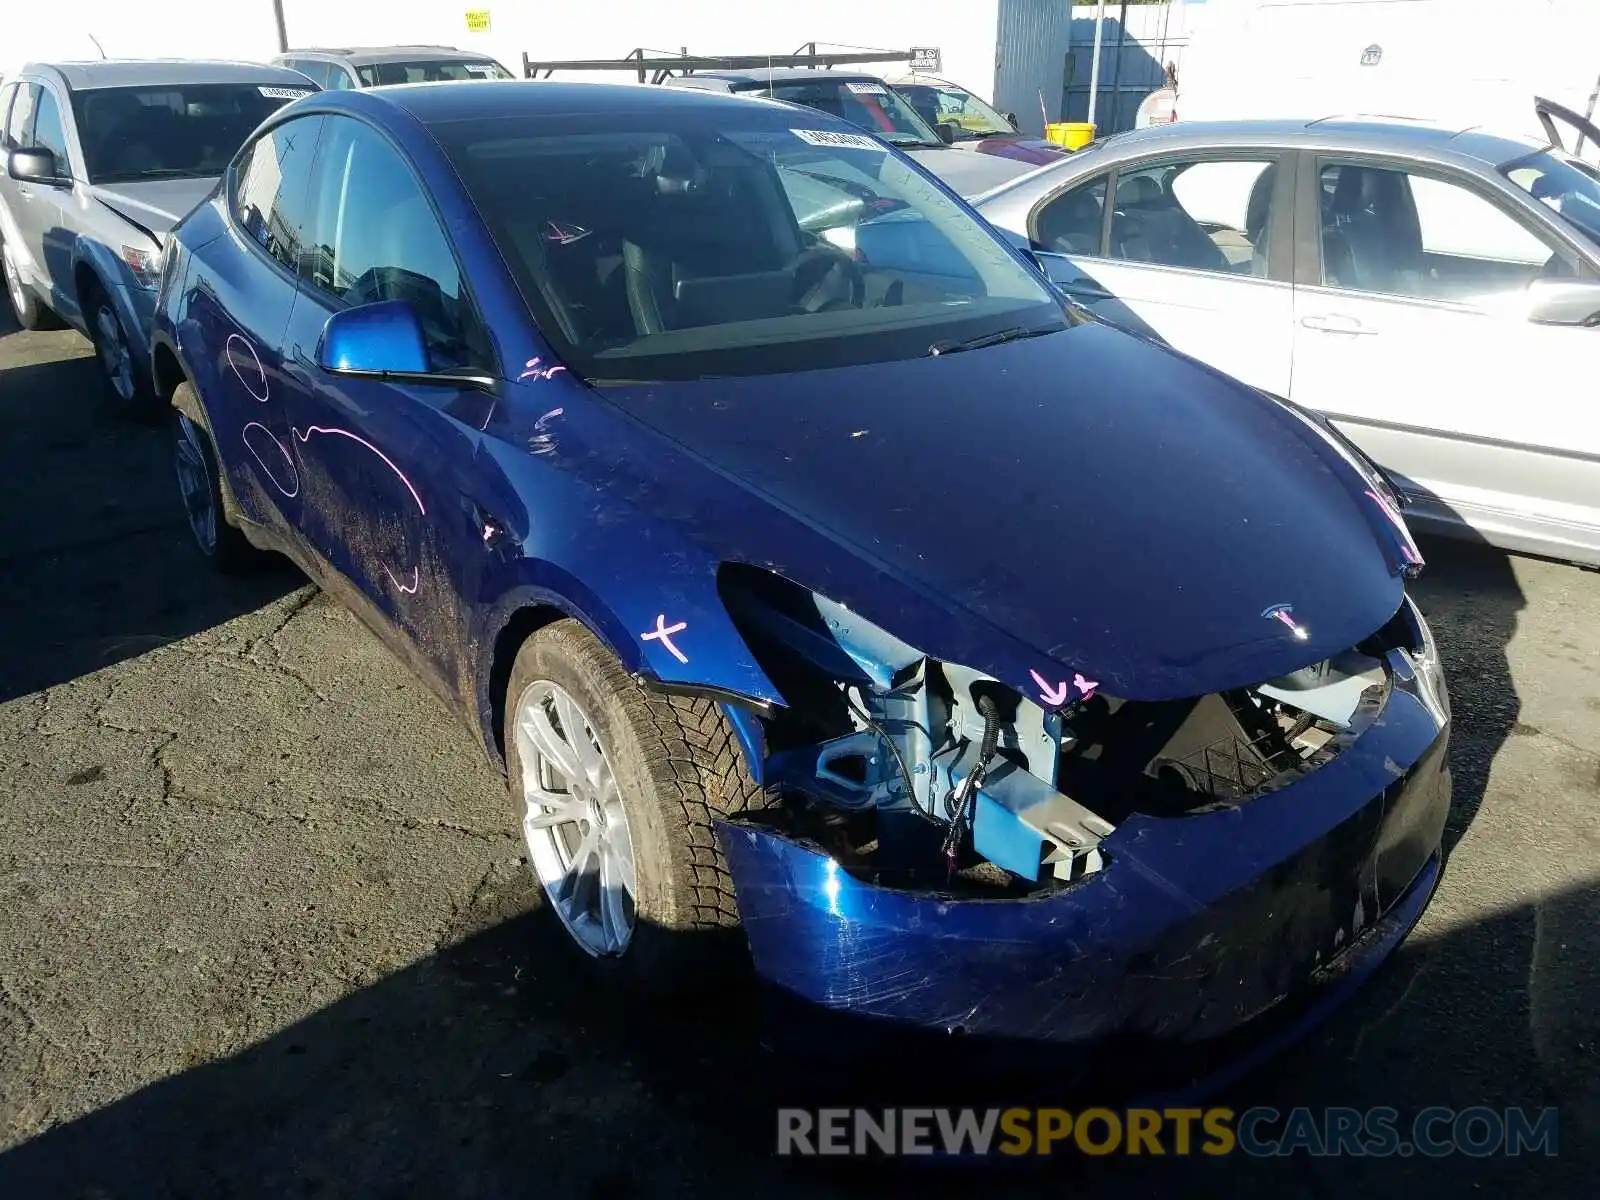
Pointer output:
1434, 292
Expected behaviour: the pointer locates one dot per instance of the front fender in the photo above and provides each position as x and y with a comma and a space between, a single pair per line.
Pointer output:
646, 591
134, 306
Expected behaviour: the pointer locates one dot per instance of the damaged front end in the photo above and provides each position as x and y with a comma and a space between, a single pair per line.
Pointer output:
949, 855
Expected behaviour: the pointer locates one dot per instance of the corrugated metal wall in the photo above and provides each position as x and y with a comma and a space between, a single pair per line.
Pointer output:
1031, 56
1156, 34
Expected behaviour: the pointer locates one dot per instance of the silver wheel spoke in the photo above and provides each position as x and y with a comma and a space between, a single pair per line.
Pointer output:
579, 842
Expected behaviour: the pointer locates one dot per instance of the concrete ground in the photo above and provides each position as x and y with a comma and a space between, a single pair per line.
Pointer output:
265, 930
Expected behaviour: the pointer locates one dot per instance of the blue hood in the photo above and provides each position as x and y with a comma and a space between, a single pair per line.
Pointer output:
1086, 500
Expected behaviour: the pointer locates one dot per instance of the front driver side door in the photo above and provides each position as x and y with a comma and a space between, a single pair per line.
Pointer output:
1413, 337
383, 463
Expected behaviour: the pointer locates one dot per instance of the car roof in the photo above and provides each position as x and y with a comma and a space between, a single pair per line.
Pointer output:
1361, 133
765, 76
366, 56
480, 99
133, 72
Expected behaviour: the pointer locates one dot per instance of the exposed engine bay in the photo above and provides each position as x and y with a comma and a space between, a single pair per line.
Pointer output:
921, 774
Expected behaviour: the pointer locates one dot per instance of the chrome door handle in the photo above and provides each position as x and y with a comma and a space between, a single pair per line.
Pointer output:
1337, 324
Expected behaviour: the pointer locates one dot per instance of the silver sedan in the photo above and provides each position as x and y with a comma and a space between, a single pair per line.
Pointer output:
1434, 292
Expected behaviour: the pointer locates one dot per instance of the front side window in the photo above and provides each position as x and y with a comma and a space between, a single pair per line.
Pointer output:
270, 185
1405, 234
968, 118
873, 106
746, 240
171, 131
375, 237
48, 133
1564, 184
1207, 215
449, 70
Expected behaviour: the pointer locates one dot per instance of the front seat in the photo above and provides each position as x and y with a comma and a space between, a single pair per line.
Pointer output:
703, 223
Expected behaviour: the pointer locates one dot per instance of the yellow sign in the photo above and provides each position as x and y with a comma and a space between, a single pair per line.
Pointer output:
477, 20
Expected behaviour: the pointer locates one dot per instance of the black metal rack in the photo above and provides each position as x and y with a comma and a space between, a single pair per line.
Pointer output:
653, 66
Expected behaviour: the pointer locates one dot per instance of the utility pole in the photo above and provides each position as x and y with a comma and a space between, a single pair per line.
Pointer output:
283, 31
1094, 67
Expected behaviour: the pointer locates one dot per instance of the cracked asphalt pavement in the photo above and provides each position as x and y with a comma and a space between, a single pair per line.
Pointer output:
266, 930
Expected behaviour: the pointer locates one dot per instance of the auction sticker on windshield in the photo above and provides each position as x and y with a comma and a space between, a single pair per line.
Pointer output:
867, 89
278, 93
847, 141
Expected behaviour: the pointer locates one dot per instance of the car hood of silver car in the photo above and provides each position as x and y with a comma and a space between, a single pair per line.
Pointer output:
155, 205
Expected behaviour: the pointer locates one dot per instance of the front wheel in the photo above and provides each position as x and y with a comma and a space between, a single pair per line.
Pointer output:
616, 789
25, 306
127, 390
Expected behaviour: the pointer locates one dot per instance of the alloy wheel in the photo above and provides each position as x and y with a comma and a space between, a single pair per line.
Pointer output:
13, 284
194, 484
580, 844
115, 357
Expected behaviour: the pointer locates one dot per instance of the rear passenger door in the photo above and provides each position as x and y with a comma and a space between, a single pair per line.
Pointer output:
1194, 250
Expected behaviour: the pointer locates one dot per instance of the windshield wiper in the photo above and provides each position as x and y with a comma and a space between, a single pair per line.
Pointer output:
1015, 334
154, 173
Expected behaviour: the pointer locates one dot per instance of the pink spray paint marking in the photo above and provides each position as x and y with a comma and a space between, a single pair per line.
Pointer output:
1408, 548
1085, 687
416, 579
399, 474
361, 441
535, 371
565, 235
1052, 696
663, 633
291, 490
253, 375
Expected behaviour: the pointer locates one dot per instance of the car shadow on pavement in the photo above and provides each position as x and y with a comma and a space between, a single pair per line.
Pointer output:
96, 560
1471, 598
490, 1070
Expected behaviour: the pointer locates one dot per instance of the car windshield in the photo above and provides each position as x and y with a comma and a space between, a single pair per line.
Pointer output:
745, 241
449, 70
171, 131
945, 104
872, 105
1565, 184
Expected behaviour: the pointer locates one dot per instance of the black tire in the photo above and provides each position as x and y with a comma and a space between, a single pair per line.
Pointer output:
29, 312
678, 766
104, 324
226, 549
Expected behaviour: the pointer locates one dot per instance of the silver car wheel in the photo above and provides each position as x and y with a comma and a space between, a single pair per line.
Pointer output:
579, 842
194, 484
115, 357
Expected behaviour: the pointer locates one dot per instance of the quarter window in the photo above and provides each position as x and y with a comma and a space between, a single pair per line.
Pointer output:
270, 183
48, 133
1404, 234
20, 127
376, 238
1071, 222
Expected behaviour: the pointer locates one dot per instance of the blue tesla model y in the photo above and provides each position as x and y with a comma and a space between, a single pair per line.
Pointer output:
814, 570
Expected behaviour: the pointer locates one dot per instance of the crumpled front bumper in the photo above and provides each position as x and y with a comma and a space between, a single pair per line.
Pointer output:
1201, 932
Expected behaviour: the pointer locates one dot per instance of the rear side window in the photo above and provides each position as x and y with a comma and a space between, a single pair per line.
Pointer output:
375, 237
6, 92
1071, 222
269, 189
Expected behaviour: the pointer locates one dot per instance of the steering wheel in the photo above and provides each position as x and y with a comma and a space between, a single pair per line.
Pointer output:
827, 279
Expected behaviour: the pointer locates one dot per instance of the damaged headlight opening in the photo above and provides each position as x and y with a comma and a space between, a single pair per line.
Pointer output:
917, 773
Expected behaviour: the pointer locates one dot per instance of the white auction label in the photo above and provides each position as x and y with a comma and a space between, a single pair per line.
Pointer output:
278, 93
846, 141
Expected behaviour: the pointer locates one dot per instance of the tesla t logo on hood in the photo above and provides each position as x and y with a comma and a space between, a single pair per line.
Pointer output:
1284, 613
1372, 55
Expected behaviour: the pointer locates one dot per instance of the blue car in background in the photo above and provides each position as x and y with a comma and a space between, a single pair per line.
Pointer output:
814, 570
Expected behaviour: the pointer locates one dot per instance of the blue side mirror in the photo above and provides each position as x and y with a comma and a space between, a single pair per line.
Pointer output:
383, 340
378, 339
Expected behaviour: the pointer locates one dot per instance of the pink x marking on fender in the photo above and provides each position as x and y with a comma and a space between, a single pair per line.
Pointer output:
663, 633
1085, 687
